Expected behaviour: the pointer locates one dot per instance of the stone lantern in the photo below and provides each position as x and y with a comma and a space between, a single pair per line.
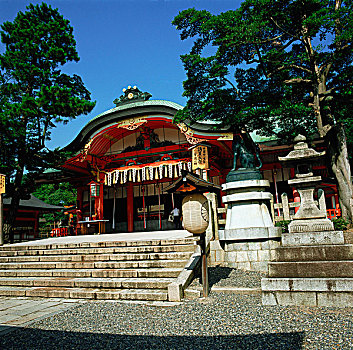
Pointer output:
309, 218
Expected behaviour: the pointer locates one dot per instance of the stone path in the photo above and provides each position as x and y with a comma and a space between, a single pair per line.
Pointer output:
15, 312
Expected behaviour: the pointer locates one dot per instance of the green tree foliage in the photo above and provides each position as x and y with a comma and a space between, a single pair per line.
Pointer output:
35, 93
62, 194
280, 67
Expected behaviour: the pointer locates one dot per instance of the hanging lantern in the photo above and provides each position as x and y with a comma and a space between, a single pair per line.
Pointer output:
94, 189
134, 174
143, 174
138, 175
156, 174
160, 168
195, 213
2, 183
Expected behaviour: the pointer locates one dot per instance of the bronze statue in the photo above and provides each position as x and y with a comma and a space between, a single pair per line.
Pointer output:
244, 149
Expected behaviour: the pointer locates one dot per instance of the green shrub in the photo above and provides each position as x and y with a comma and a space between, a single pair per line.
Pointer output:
340, 224
283, 224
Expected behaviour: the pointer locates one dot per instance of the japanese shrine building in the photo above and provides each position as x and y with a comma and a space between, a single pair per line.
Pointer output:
132, 152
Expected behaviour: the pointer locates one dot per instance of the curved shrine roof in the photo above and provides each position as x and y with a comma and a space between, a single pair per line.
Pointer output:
148, 108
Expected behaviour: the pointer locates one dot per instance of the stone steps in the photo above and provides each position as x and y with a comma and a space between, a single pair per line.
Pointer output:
85, 293
95, 251
96, 257
92, 265
314, 253
314, 269
140, 270
311, 269
103, 244
113, 283
323, 292
109, 273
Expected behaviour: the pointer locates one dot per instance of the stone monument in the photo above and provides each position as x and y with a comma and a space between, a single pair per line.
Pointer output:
309, 218
247, 214
314, 264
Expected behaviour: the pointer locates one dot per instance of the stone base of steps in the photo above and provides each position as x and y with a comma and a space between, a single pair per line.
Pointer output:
325, 292
311, 269
85, 293
314, 253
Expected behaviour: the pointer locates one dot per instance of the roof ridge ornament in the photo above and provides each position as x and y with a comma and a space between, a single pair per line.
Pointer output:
132, 94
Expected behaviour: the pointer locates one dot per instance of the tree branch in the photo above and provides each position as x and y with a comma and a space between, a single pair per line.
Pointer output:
289, 66
283, 30
298, 81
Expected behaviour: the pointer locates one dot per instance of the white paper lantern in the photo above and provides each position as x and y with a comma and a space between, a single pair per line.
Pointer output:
195, 213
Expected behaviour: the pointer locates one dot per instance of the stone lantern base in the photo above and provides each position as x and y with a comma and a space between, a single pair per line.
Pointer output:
248, 216
310, 225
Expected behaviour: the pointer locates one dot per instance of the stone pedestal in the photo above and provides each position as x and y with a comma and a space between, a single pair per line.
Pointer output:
248, 216
309, 218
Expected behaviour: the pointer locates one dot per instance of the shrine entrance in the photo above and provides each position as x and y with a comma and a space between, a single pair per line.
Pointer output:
151, 207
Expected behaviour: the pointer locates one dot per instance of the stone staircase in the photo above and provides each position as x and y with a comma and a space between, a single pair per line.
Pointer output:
125, 270
315, 269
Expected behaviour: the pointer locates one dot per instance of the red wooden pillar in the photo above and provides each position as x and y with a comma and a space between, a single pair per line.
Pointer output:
36, 224
130, 207
79, 204
98, 203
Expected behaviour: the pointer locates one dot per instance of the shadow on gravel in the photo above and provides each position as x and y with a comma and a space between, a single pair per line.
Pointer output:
27, 338
217, 273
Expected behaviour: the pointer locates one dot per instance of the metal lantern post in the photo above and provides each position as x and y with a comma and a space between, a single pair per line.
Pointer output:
196, 219
2, 190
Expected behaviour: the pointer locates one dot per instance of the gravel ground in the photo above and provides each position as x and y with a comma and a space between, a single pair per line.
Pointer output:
228, 277
222, 321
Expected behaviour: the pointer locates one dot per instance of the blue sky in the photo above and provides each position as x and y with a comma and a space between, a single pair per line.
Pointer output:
121, 43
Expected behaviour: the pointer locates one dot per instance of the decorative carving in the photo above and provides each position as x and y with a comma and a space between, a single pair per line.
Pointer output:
189, 134
132, 124
132, 94
226, 137
193, 140
86, 150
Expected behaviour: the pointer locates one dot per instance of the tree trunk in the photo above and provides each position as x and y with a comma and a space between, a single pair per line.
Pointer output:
15, 203
338, 157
